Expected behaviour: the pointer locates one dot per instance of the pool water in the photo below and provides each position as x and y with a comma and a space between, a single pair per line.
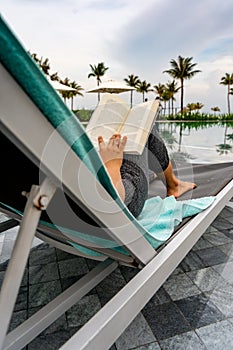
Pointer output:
201, 143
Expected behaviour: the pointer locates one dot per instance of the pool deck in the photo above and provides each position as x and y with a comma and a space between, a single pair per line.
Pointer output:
193, 309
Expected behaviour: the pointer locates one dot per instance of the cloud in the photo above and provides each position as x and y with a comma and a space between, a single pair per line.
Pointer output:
170, 28
130, 37
163, 31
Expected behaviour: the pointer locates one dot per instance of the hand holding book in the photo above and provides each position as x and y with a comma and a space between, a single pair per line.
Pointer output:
111, 152
113, 115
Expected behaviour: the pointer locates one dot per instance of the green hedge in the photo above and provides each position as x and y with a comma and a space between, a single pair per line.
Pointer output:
201, 117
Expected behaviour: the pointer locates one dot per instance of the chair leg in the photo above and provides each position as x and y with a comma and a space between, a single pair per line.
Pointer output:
17, 263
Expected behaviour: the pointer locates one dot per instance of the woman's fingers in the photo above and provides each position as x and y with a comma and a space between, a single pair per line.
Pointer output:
101, 142
115, 141
123, 143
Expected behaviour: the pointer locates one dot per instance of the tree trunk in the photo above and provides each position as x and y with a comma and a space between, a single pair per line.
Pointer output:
98, 83
182, 95
228, 100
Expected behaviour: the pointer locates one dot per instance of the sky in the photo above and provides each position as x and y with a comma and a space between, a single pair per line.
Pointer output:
130, 37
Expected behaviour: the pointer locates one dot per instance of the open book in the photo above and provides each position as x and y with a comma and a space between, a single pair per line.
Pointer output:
113, 115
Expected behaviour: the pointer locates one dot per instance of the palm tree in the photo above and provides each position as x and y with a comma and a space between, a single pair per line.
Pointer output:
34, 56
172, 89
159, 89
166, 96
55, 77
228, 81
182, 69
190, 107
215, 109
133, 81
198, 106
44, 64
194, 106
65, 94
78, 89
98, 72
143, 87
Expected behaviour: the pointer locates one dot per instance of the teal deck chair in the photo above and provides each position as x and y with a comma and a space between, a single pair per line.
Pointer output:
71, 204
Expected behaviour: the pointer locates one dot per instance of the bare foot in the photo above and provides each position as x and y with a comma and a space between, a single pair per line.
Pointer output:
180, 188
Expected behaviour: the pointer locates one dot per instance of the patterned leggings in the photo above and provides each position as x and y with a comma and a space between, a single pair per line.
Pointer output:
135, 171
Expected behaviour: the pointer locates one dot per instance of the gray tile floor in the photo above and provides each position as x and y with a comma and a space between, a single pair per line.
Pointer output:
192, 311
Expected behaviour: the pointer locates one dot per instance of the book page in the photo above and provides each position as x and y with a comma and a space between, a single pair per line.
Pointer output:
138, 125
107, 117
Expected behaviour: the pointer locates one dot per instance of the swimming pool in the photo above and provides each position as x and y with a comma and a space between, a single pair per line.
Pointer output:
198, 142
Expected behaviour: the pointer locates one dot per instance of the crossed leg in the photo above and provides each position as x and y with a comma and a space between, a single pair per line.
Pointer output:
176, 187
